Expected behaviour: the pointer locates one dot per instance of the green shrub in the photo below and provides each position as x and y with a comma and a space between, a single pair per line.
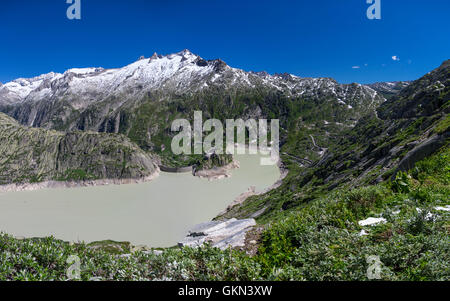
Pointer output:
401, 183
362, 201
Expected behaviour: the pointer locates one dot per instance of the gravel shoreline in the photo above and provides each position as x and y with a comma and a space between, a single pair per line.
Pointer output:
74, 184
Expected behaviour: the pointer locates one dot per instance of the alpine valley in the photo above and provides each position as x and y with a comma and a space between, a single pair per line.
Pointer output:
351, 154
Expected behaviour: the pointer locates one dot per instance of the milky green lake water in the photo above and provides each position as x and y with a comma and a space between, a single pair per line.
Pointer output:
156, 213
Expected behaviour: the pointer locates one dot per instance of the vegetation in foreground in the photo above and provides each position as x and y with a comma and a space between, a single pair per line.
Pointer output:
319, 241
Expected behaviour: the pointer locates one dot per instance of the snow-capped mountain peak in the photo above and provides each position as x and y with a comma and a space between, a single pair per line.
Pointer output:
165, 76
176, 71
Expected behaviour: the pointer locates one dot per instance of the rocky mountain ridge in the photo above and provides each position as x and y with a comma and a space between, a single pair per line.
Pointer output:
30, 155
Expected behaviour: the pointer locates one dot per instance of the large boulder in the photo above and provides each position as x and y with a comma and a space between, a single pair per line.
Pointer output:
223, 235
421, 151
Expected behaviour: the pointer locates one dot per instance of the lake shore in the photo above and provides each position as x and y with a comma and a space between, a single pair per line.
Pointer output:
252, 190
74, 184
218, 173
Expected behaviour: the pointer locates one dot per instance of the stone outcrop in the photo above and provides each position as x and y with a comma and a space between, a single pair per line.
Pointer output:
423, 150
217, 172
31, 155
223, 235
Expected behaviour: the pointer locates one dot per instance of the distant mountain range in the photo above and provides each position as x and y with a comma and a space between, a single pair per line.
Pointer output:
65, 101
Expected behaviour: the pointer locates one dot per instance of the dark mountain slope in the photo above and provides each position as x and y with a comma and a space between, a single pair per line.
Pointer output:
36, 155
408, 128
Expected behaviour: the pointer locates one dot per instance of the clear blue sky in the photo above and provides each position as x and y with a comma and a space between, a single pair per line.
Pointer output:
319, 38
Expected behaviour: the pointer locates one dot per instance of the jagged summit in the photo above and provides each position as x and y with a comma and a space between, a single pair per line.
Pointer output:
185, 52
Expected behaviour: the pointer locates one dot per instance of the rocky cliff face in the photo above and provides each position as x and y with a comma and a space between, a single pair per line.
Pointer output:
36, 155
